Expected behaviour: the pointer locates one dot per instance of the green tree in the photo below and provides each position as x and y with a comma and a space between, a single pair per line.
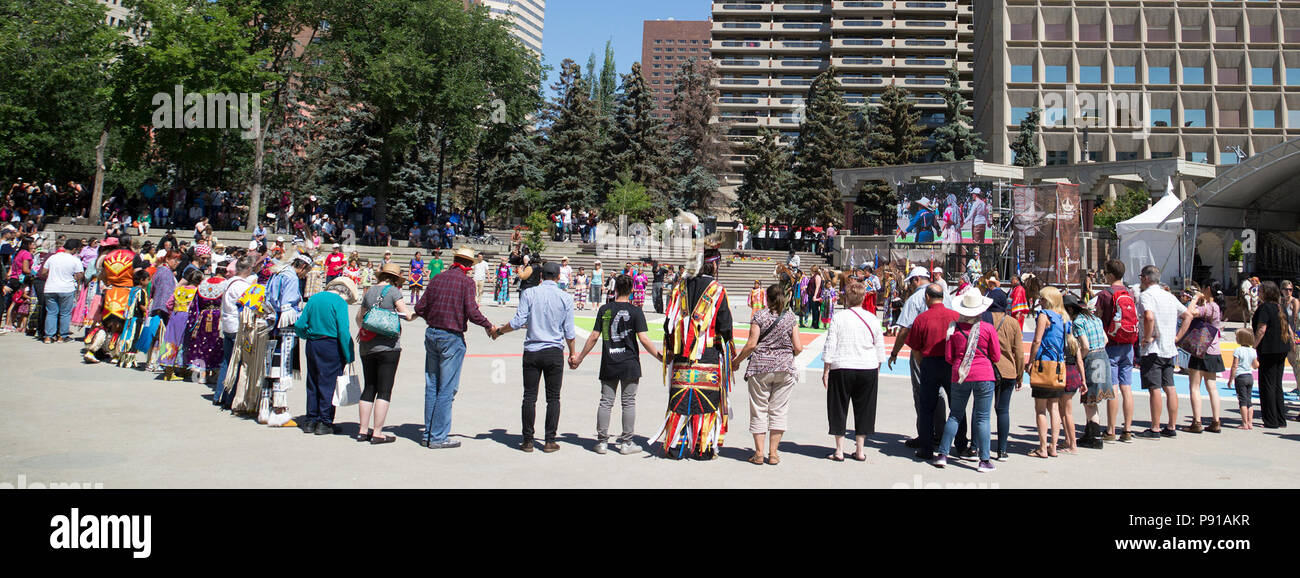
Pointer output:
54, 58
764, 195
893, 131
697, 148
954, 140
628, 198
827, 141
538, 226
1024, 151
608, 84
638, 143
512, 172
573, 143
1128, 204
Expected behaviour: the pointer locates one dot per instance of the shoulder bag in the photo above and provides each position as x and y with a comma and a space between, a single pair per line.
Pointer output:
380, 321
1046, 374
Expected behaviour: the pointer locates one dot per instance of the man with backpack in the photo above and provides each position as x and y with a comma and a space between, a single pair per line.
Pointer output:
1118, 311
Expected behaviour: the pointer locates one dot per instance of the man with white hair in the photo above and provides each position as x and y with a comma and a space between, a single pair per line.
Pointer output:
978, 215
915, 283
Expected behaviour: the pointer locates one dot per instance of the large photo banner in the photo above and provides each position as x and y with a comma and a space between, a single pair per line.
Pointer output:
946, 213
1046, 225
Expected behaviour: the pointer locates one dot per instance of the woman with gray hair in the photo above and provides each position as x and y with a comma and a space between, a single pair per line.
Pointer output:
853, 353
772, 346
325, 328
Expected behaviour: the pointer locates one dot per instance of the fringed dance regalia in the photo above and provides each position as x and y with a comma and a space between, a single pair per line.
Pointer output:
282, 304
137, 297
203, 328
171, 351
119, 279
244, 373
697, 364
503, 284
1019, 304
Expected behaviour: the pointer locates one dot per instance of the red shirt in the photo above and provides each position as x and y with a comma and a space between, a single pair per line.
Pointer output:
450, 301
334, 264
929, 331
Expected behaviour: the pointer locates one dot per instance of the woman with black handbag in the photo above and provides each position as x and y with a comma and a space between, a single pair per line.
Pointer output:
1199, 336
774, 343
381, 308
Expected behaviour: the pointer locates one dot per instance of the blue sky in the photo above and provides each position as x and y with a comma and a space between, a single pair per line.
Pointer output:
576, 28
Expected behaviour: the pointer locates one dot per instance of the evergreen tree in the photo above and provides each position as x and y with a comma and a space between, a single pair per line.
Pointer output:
764, 195
1024, 150
954, 140
697, 148
512, 173
593, 86
893, 132
608, 82
573, 151
638, 144
826, 142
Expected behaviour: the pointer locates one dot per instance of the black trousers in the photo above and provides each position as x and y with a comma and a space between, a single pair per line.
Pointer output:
815, 309
936, 377
659, 297
1271, 403
380, 371
548, 363
856, 387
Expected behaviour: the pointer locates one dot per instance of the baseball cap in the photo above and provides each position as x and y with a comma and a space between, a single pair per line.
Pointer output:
917, 271
937, 270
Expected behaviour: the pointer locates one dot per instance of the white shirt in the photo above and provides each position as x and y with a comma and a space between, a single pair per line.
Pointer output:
235, 289
1167, 309
63, 268
854, 340
565, 273
480, 271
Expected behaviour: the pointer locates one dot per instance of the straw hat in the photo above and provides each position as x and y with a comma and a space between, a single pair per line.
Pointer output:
971, 304
392, 269
348, 285
466, 253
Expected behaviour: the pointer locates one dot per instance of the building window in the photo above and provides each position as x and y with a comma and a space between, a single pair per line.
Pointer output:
1056, 74
1162, 154
1293, 118
1125, 33
1193, 75
1090, 74
1022, 73
1193, 34
1228, 158
1261, 76
1198, 157
1018, 114
1265, 119
1125, 75
1022, 31
1293, 77
1158, 75
1225, 34
1229, 118
1058, 158
1261, 34
1229, 76
1194, 117
1126, 155
1162, 117
1054, 116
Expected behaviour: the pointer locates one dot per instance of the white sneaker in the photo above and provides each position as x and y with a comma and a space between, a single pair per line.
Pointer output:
628, 448
601, 447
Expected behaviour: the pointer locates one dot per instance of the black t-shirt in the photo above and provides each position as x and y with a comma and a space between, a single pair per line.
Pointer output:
659, 274
619, 323
1271, 342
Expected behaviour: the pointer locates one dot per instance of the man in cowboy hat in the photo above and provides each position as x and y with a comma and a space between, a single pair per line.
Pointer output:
923, 222
547, 312
326, 330
978, 215
446, 307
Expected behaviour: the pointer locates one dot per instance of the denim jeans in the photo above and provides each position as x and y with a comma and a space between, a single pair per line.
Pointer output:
227, 349
1002, 403
961, 393
443, 353
1121, 364
58, 314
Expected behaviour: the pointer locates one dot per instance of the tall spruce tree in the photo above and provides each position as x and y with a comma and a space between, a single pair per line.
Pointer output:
608, 82
697, 148
573, 151
1024, 150
765, 196
827, 141
513, 172
893, 130
638, 142
954, 140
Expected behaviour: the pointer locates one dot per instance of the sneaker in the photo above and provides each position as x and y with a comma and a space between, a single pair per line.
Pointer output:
1169, 433
1002, 456
939, 461
985, 467
602, 447
912, 443
628, 448
1150, 434
1110, 437
449, 444
1126, 437
308, 426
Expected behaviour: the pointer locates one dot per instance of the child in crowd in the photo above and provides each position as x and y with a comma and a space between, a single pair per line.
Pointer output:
580, 289
757, 298
1244, 361
20, 308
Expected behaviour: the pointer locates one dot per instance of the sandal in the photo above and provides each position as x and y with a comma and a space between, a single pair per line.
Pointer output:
387, 439
1037, 453
757, 459
773, 459
833, 458
856, 457
364, 437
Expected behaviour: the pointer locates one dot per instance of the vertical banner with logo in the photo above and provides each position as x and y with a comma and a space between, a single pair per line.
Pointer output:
1046, 227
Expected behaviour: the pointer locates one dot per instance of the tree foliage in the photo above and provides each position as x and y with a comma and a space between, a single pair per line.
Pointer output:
827, 141
1128, 204
1024, 150
955, 140
573, 141
697, 148
764, 195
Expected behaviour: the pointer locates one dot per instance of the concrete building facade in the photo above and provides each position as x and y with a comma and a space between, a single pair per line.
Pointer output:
767, 54
665, 46
1121, 80
528, 17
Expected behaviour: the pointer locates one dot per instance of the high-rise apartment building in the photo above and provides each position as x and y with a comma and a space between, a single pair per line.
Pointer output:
767, 54
665, 46
528, 17
1200, 80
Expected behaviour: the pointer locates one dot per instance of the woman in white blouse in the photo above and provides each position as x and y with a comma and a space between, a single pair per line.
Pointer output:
853, 353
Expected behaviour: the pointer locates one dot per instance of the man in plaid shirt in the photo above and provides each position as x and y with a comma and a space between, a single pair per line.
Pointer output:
447, 305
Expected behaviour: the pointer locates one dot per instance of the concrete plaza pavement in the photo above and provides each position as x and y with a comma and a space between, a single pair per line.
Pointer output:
63, 421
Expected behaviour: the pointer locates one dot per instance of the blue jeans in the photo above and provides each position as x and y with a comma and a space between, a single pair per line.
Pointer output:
227, 349
58, 314
1002, 403
961, 392
1121, 363
443, 353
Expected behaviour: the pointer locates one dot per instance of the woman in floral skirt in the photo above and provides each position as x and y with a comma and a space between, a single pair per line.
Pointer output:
203, 330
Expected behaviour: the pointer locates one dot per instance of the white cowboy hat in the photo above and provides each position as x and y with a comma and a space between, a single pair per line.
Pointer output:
917, 271
971, 303
924, 202
937, 270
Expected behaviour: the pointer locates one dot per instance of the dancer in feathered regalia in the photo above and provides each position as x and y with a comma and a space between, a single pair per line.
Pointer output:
697, 362
282, 305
